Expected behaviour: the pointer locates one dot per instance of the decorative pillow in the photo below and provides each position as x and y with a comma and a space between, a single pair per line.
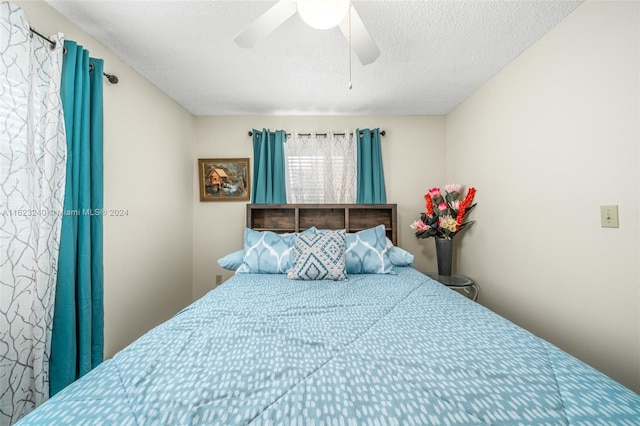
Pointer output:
319, 257
398, 256
367, 252
232, 261
267, 252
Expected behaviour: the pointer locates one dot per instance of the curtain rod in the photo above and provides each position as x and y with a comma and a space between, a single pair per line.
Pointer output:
113, 79
382, 133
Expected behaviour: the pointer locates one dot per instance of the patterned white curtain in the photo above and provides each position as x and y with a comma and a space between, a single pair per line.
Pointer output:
321, 169
32, 178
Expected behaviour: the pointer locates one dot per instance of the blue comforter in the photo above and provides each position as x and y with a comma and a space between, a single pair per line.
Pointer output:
377, 349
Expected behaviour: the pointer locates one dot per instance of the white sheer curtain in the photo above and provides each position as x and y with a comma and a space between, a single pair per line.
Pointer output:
321, 169
32, 177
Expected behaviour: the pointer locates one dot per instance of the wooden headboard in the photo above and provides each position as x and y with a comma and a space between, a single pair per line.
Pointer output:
298, 217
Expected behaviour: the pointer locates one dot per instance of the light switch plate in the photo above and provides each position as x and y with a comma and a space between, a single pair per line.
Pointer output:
609, 216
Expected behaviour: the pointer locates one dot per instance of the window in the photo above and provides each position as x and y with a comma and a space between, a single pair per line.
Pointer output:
321, 169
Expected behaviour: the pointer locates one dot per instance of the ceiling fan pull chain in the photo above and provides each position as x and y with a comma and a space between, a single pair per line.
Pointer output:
350, 53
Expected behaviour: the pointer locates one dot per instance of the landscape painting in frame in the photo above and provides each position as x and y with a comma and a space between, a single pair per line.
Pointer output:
224, 179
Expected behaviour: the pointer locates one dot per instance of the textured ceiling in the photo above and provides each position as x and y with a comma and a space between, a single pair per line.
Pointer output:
434, 54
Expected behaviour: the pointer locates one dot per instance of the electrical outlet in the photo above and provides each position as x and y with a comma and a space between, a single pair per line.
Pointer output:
609, 216
218, 279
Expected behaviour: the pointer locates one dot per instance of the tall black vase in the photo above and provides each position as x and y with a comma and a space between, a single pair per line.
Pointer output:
444, 254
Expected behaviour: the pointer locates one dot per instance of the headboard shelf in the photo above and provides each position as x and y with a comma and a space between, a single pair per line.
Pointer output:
298, 217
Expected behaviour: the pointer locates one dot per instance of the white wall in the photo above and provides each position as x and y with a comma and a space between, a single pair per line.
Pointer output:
148, 166
413, 155
547, 141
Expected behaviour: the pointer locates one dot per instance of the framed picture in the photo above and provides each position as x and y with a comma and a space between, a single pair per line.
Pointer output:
224, 179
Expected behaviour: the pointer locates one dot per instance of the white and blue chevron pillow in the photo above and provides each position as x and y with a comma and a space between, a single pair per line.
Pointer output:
319, 257
267, 252
367, 252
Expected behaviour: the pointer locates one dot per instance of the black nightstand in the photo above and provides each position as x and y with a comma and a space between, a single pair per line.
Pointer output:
469, 286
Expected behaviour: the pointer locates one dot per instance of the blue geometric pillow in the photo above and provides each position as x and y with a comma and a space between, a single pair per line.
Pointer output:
267, 252
319, 257
367, 252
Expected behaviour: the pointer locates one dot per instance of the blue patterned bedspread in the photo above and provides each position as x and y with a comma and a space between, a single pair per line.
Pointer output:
377, 349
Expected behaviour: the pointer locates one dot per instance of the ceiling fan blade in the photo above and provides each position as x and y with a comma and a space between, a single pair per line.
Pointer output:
265, 24
361, 40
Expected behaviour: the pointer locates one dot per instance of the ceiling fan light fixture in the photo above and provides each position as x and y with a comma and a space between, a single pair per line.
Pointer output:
322, 14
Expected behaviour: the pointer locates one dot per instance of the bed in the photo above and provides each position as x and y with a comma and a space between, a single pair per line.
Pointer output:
394, 348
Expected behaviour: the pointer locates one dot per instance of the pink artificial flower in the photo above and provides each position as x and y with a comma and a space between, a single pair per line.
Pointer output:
443, 206
434, 192
455, 204
453, 187
419, 226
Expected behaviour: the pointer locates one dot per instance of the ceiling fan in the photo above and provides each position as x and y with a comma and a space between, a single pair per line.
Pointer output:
320, 14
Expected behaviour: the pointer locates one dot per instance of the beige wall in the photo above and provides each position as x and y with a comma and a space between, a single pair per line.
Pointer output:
148, 166
413, 155
547, 141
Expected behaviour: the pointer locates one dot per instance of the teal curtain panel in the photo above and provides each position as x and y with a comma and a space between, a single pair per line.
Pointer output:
371, 187
78, 324
268, 167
